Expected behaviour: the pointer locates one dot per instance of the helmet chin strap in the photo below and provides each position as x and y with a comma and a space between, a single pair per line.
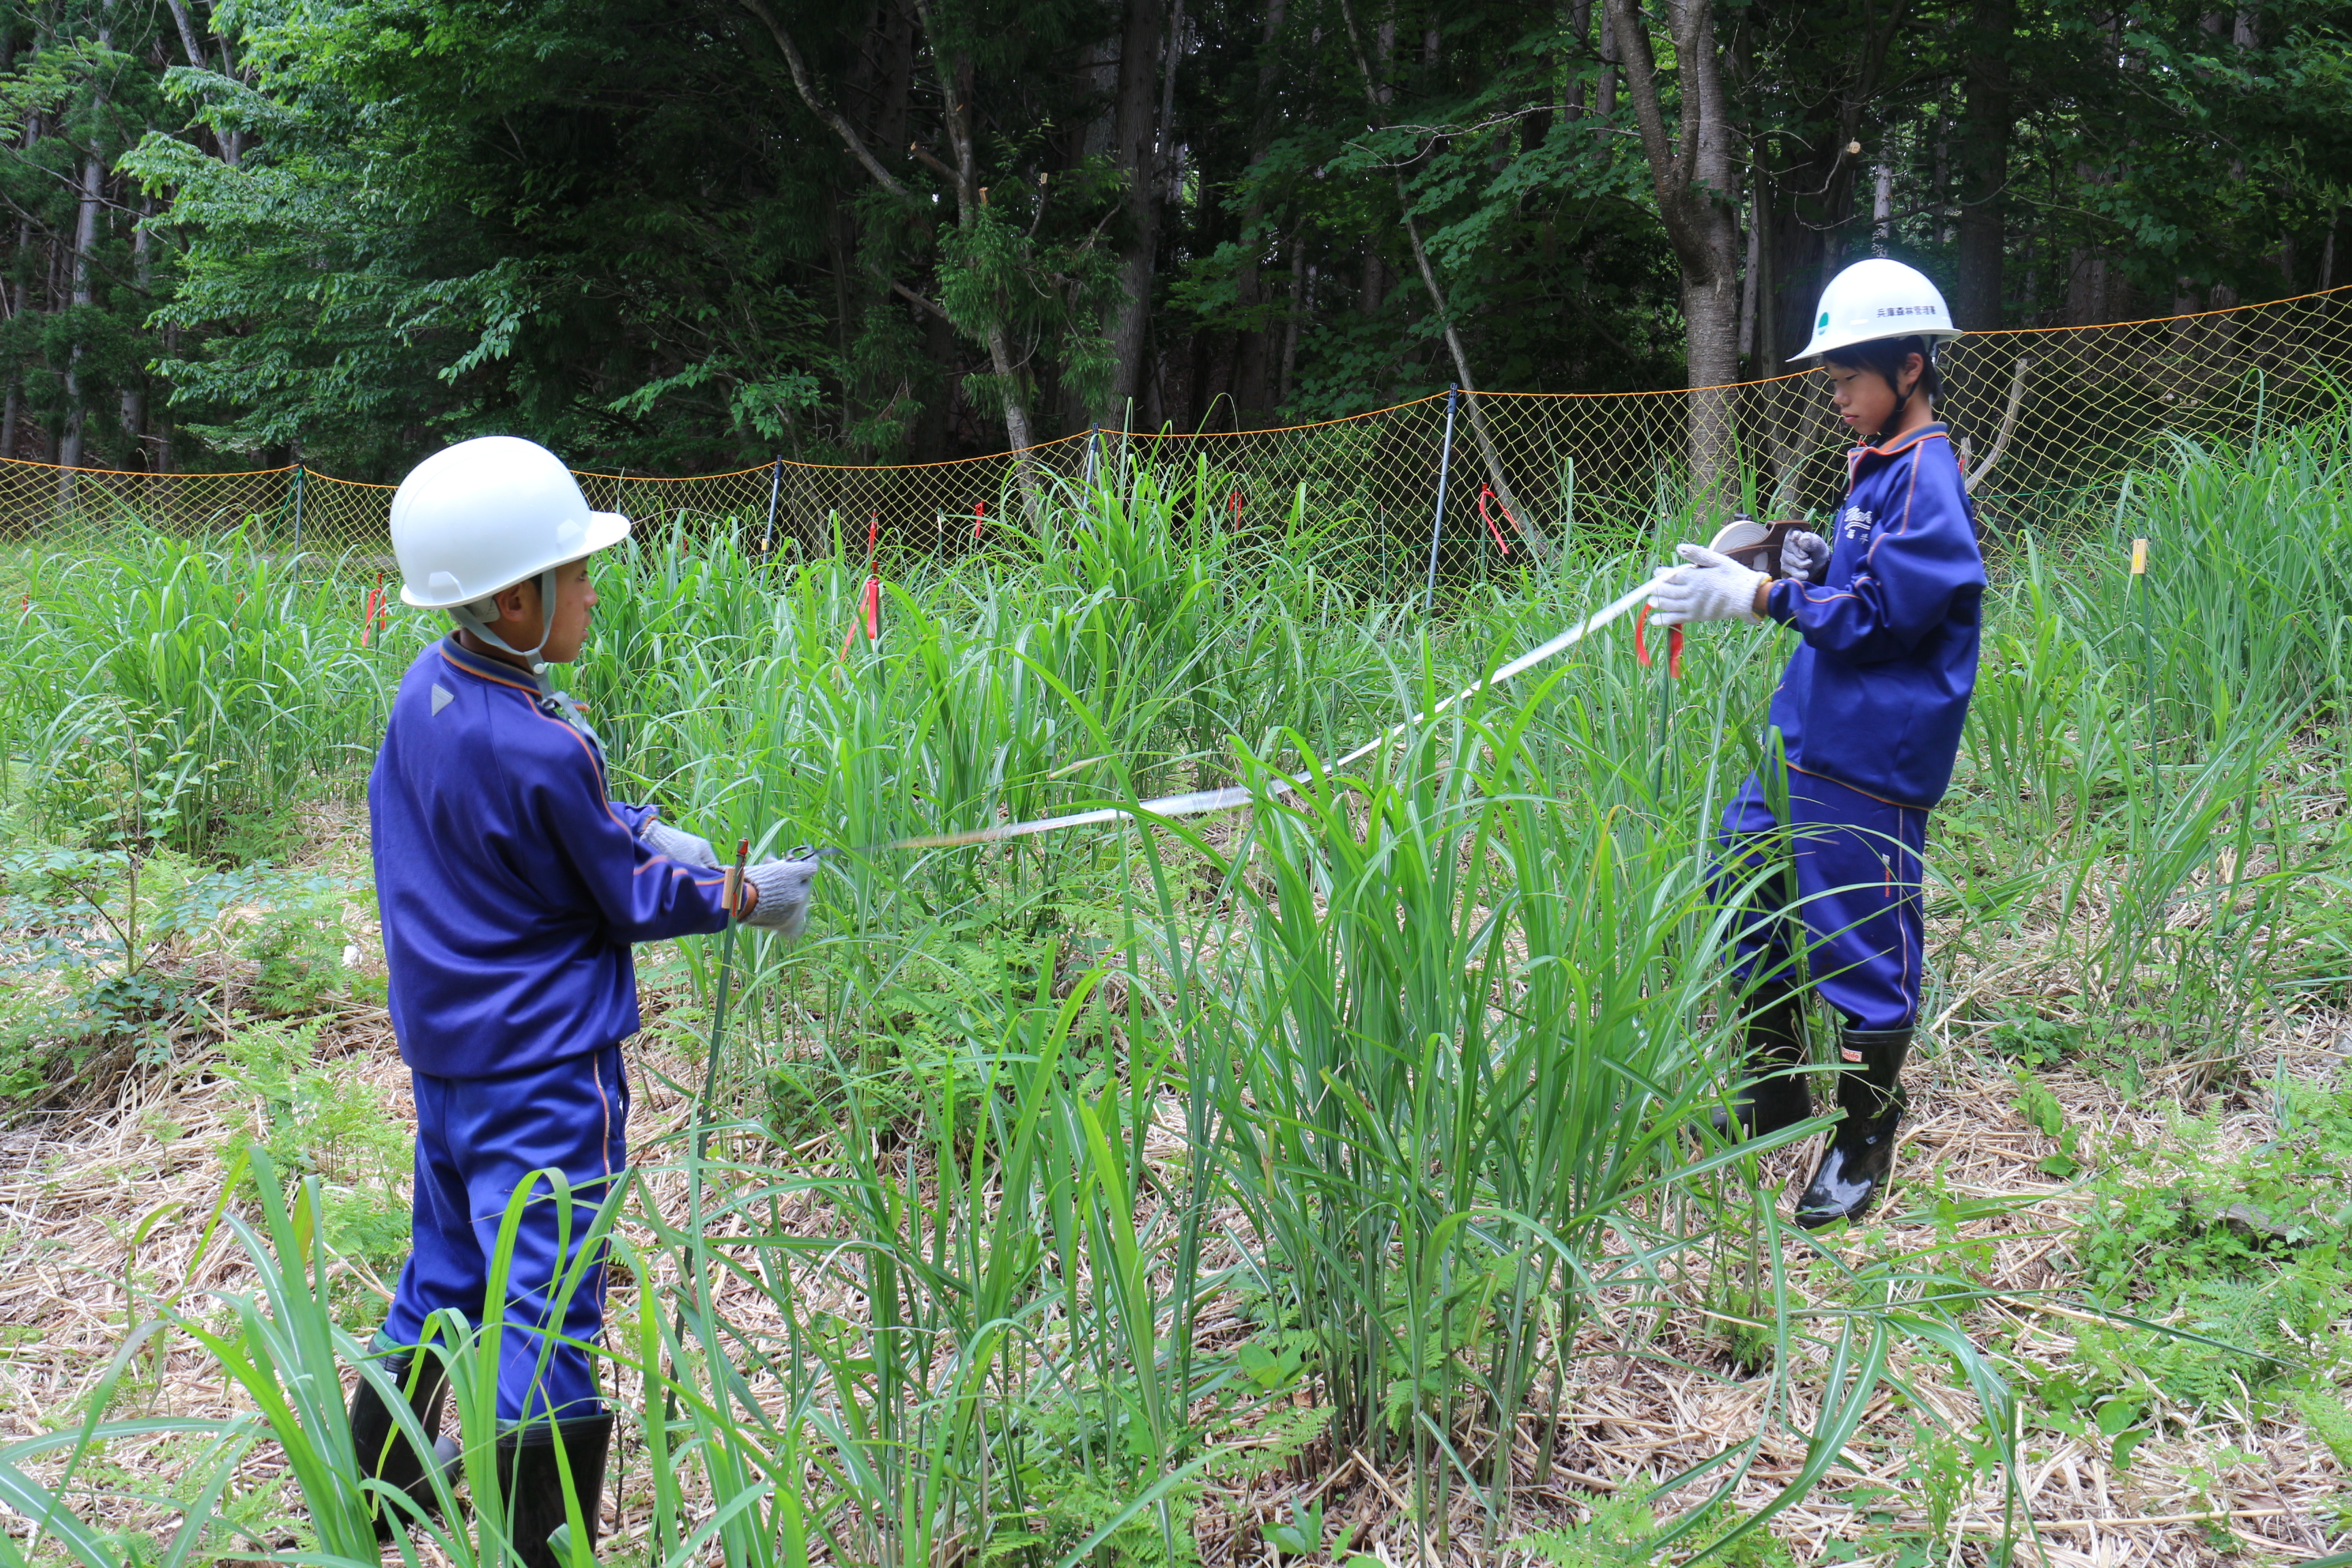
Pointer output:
464, 617
1902, 398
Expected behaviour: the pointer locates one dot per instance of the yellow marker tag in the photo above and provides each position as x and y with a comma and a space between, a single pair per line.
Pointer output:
2139, 557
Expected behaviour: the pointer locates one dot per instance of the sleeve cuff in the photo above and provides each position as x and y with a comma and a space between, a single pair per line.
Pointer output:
1780, 600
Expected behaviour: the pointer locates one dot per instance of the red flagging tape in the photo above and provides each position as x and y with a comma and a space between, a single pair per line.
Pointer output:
979, 515
1484, 491
1673, 646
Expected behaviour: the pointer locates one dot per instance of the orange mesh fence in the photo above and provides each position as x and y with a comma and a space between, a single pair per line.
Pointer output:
2048, 421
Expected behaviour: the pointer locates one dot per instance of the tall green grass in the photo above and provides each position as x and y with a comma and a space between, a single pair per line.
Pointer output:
1103, 1145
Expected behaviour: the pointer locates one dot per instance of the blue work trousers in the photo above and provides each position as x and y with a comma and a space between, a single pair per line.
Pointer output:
478, 1141
1854, 861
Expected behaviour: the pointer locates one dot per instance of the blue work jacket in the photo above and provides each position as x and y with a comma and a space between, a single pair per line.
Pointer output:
1875, 694
509, 884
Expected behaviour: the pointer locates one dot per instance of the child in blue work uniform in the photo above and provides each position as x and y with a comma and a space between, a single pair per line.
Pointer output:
1888, 612
510, 887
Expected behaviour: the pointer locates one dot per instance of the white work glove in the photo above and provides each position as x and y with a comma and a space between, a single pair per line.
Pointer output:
1804, 556
783, 889
1712, 588
681, 847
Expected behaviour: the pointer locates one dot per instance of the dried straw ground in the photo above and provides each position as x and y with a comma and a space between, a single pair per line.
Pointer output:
101, 1203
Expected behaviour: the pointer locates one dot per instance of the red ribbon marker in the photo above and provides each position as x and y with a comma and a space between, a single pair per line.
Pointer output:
873, 578
870, 599
1233, 505
1673, 646
1486, 490
979, 515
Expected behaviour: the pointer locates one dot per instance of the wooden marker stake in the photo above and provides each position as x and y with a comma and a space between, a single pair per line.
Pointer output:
735, 878
2138, 588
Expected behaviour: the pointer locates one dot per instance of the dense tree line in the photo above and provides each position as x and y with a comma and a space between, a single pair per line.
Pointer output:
676, 233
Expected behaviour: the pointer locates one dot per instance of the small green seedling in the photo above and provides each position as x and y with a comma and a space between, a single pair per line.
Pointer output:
1270, 1370
2115, 1424
2039, 1108
1302, 1536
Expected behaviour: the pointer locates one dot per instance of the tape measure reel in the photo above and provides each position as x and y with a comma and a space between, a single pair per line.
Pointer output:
1755, 545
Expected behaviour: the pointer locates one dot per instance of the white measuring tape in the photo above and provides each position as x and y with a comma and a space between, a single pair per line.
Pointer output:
1201, 802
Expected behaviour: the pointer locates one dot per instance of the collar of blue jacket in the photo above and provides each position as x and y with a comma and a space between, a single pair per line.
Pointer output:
557, 704
1864, 451
510, 883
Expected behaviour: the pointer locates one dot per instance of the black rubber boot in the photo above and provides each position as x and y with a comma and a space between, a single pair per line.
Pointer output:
531, 1465
384, 1450
1860, 1154
1774, 1095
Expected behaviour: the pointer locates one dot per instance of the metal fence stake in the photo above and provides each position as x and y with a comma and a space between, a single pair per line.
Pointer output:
775, 490
298, 509
1437, 522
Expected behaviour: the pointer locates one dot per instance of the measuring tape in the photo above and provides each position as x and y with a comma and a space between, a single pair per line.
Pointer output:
1744, 537
1200, 803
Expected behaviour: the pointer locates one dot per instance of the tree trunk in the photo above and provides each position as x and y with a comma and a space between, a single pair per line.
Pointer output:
90, 198
1695, 174
955, 78
1751, 276
1136, 146
1302, 280
1605, 97
1984, 167
1579, 21
1252, 371
1537, 543
134, 389
1814, 164
88, 201
954, 74
188, 39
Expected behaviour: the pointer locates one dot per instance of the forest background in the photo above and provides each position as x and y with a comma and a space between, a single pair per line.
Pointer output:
685, 234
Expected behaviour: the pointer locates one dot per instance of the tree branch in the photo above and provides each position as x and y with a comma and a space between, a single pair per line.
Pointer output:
187, 26
954, 114
930, 158
832, 117
1640, 67
909, 294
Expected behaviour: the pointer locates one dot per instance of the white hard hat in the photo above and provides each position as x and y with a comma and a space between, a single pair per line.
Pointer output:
486, 514
1878, 299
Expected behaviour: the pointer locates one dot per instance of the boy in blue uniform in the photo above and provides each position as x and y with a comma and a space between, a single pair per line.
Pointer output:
510, 886
1888, 611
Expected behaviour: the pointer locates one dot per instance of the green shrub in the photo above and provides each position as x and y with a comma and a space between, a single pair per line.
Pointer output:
2034, 1041
2247, 1251
322, 1119
1618, 1532
298, 950
2330, 1418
